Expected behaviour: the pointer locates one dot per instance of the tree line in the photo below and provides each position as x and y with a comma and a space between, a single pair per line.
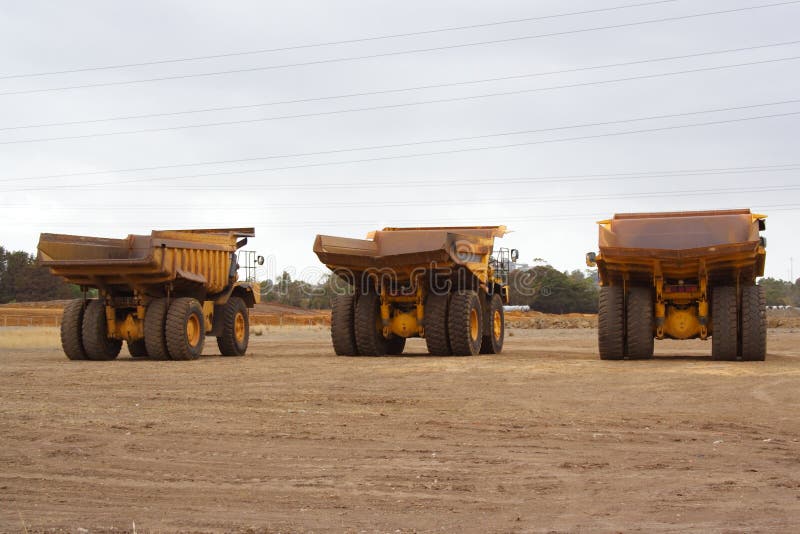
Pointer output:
781, 292
542, 288
22, 280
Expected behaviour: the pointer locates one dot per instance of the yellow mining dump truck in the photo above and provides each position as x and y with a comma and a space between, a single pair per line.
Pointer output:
682, 275
162, 293
442, 284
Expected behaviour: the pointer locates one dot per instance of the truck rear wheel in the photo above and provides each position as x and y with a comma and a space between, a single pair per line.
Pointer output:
754, 323
465, 323
494, 327
71, 325
235, 328
436, 336
96, 342
725, 321
368, 326
155, 335
137, 349
343, 328
640, 314
611, 323
186, 331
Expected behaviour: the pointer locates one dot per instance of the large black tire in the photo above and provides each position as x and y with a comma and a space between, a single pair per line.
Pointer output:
611, 323
436, 336
71, 325
465, 323
235, 328
754, 324
137, 349
94, 332
343, 326
494, 326
639, 337
369, 332
395, 345
186, 331
725, 323
155, 334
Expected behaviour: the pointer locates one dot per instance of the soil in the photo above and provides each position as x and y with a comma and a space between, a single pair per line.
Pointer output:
544, 437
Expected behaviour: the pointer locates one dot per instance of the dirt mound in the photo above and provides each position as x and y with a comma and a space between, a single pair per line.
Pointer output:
274, 314
538, 320
789, 318
47, 304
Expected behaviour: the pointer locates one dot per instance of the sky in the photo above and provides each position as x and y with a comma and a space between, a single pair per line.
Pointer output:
346, 117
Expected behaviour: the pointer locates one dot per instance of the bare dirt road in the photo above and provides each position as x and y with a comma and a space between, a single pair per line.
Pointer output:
544, 437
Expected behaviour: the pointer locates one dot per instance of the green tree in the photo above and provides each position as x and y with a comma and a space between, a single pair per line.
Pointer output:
780, 292
22, 279
548, 290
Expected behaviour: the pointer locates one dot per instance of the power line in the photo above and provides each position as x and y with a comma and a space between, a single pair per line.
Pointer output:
425, 142
592, 178
396, 53
539, 199
417, 155
398, 90
428, 221
432, 182
330, 43
394, 106
447, 182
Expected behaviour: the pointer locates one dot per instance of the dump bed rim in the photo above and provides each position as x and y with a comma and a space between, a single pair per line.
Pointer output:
676, 214
716, 251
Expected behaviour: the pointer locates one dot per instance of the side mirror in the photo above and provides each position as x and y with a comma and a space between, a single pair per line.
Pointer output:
591, 258
260, 260
514, 254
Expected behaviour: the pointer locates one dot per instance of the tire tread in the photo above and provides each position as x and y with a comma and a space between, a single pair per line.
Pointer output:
71, 330
724, 317
611, 323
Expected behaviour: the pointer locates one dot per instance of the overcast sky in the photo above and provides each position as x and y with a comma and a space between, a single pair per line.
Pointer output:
549, 188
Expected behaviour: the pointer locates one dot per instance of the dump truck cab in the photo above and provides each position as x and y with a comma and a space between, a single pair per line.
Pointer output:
439, 283
681, 275
161, 293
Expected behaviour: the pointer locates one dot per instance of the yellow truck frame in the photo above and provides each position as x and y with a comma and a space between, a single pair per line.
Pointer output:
438, 283
681, 275
161, 293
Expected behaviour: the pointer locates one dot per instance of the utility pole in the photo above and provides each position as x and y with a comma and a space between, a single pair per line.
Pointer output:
791, 270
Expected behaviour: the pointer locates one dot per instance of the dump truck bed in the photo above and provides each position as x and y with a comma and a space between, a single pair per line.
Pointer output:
200, 256
406, 249
726, 244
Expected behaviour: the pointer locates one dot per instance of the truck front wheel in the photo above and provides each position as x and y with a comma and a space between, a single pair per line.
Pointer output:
235, 328
493, 326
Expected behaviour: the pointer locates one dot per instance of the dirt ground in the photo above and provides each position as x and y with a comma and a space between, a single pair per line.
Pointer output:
544, 437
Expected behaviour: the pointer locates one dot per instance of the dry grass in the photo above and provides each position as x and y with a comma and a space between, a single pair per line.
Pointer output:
35, 337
